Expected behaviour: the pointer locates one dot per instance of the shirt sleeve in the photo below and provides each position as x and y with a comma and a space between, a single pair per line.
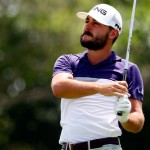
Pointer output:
62, 64
135, 83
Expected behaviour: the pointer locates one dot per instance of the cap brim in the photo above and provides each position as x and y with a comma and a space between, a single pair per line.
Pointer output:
82, 15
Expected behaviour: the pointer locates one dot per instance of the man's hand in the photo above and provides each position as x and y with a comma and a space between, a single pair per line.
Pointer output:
116, 88
123, 106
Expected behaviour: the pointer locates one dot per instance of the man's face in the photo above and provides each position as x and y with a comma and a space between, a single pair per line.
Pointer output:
94, 35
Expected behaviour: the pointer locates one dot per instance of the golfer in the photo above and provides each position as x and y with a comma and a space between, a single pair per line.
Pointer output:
91, 88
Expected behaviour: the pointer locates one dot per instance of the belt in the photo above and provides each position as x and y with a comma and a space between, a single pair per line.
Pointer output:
93, 144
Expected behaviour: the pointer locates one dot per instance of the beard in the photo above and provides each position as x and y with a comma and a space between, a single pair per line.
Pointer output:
96, 43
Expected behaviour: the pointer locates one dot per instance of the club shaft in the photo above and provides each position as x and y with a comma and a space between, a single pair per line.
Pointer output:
130, 36
128, 47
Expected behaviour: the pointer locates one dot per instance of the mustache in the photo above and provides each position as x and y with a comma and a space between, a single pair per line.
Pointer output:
87, 33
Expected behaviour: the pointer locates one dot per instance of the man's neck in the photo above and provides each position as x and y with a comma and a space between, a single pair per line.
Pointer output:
98, 56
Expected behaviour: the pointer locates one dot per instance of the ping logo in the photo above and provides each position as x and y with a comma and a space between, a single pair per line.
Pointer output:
116, 25
100, 10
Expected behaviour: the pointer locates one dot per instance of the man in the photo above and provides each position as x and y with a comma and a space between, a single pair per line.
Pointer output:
91, 88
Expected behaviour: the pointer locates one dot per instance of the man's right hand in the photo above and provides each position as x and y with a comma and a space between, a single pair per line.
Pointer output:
116, 88
64, 86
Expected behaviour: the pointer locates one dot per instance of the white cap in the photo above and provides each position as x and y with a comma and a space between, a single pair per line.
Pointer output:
105, 14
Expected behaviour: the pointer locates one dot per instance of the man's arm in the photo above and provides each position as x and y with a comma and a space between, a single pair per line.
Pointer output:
136, 117
64, 86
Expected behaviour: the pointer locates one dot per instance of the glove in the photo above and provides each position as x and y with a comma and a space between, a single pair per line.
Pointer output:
123, 108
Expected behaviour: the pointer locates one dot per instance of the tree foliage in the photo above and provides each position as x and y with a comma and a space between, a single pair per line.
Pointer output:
33, 34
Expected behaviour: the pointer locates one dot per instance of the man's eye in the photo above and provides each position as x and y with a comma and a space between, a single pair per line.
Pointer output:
95, 22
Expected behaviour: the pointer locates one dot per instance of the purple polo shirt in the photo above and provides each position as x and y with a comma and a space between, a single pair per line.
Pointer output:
112, 69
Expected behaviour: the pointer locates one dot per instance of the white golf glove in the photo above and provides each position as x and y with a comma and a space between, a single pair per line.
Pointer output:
123, 108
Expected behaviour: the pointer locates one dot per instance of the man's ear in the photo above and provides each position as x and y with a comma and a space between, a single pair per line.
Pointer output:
113, 34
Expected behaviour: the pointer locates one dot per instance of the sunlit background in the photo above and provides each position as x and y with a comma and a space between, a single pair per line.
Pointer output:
33, 33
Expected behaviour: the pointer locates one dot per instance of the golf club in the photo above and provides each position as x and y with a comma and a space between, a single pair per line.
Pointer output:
128, 47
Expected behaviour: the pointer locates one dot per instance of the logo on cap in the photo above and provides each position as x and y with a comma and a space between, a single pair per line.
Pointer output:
116, 25
100, 10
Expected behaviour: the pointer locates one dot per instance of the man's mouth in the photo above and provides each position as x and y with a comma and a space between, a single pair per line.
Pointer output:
88, 33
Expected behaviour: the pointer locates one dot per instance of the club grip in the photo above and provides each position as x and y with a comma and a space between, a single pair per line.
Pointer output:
119, 113
125, 74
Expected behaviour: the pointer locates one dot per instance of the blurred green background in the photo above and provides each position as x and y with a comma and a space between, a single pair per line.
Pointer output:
33, 33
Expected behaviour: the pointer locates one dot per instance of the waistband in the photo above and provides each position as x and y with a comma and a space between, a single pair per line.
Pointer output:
91, 144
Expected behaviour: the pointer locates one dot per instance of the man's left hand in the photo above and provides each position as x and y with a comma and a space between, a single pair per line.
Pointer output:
123, 108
